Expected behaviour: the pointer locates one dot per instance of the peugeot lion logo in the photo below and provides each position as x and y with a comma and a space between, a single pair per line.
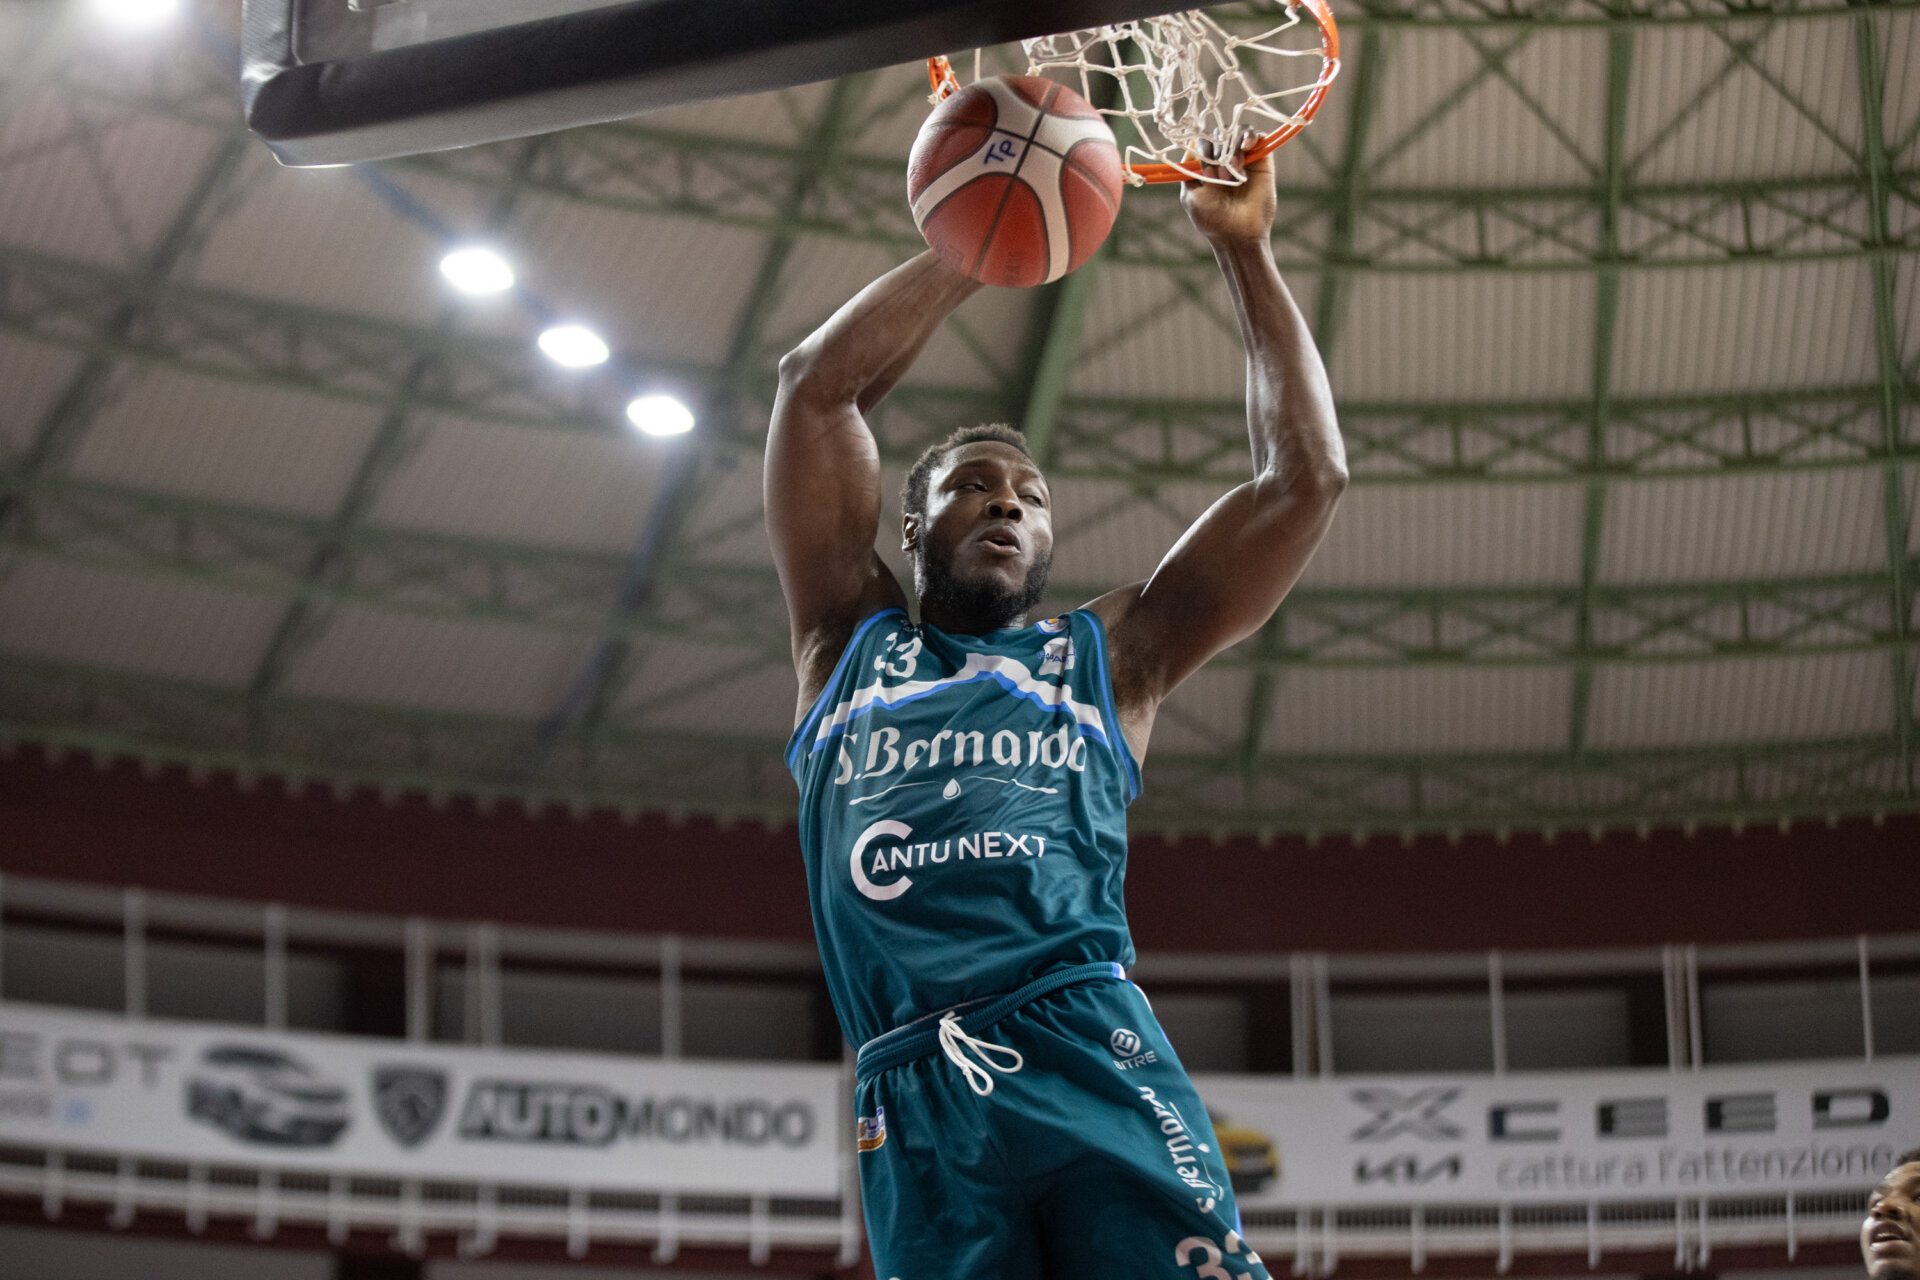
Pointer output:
409, 1102
1124, 1043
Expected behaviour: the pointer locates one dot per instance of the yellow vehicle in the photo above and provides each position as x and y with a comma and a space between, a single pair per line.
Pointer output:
1251, 1157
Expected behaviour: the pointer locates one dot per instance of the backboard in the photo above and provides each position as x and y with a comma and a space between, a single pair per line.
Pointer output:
341, 81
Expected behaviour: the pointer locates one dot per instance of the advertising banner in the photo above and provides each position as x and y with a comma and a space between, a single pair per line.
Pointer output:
187, 1091
1565, 1136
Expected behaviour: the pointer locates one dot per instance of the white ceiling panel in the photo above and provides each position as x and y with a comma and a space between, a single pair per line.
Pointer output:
1539, 123
1486, 336
982, 346
653, 287
729, 691
235, 442
1899, 35
1745, 328
94, 617
554, 488
1744, 526
93, 180
440, 664
1452, 535
1702, 107
34, 375
1207, 714
1150, 333
820, 275
1419, 709
1742, 700
730, 524
1108, 534
323, 238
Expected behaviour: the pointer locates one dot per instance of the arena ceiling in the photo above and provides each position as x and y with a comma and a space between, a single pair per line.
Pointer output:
1619, 302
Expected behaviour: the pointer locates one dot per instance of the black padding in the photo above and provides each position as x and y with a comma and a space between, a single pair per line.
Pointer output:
605, 64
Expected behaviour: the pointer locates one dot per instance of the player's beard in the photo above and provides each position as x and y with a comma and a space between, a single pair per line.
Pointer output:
985, 602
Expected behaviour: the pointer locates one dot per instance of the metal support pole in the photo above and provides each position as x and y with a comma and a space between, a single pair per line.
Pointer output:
1504, 1263
274, 962
1300, 1013
1866, 1002
419, 980
579, 1231
1323, 1013
671, 1012
133, 950
1497, 1009
1417, 1239
667, 1246
1696, 1048
3, 934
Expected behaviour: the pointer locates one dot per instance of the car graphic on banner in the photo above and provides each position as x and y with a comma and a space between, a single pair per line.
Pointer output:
263, 1095
1251, 1157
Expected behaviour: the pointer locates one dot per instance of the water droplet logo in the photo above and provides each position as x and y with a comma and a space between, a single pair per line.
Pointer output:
952, 788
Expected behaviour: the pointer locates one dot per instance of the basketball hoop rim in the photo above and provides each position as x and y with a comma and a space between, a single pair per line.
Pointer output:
944, 84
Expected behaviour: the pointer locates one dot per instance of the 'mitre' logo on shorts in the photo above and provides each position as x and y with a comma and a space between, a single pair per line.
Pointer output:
1127, 1049
870, 1132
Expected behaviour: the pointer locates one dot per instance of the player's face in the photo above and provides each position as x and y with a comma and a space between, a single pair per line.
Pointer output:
986, 542
1890, 1236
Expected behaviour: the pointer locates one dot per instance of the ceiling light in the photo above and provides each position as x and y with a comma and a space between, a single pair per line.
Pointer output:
660, 416
477, 270
136, 14
574, 345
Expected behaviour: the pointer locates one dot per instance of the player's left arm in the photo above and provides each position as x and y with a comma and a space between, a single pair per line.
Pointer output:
1224, 578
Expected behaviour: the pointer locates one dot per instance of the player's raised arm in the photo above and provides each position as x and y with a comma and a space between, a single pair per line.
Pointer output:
1227, 575
823, 468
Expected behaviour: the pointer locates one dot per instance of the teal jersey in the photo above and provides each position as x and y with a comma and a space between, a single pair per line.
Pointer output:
963, 814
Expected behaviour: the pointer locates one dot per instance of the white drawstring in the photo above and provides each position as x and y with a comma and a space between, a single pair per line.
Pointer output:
954, 1043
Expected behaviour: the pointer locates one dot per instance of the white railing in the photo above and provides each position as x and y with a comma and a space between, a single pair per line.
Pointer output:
478, 1215
1312, 1239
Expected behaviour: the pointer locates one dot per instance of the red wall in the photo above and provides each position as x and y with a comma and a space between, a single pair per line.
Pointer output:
116, 826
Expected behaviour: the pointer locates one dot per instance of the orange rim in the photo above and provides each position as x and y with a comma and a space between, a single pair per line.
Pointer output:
944, 84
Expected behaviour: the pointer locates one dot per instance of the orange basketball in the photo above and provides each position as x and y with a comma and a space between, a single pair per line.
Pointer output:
1014, 180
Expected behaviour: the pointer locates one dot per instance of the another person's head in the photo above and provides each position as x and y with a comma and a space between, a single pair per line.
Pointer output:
977, 520
1890, 1236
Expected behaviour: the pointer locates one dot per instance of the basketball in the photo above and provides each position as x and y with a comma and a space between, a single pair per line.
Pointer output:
1014, 180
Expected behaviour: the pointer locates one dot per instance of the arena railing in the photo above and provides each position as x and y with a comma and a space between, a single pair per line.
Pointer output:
1313, 1240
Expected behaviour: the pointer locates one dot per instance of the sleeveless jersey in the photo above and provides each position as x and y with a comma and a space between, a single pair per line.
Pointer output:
963, 814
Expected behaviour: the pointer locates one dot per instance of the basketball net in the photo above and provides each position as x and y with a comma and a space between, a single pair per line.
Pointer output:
1195, 95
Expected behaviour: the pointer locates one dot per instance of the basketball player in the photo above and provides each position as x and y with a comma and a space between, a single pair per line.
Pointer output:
964, 780
1890, 1236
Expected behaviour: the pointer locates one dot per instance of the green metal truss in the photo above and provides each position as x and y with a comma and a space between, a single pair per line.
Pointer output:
1336, 229
396, 751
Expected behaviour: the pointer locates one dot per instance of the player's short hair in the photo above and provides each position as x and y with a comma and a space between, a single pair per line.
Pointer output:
913, 495
1910, 1156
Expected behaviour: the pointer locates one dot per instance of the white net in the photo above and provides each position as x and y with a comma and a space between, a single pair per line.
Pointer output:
1181, 90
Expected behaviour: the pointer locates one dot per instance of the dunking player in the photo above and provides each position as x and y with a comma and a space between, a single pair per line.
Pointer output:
964, 781
1890, 1236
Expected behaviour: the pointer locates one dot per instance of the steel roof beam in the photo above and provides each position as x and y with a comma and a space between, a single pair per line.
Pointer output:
557, 591
1875, 163
1606, 309
398, 750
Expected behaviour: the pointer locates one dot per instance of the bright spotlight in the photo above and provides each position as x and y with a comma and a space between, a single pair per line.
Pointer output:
477, 270
136, 15
574, 345
660, 416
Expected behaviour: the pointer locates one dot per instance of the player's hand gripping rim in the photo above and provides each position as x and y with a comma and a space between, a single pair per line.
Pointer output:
1244, 211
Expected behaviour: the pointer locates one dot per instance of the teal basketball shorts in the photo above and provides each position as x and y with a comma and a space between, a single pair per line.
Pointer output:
1045, 1135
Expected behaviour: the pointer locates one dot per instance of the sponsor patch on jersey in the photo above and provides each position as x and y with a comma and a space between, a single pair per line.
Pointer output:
1052, 626
870, 1132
